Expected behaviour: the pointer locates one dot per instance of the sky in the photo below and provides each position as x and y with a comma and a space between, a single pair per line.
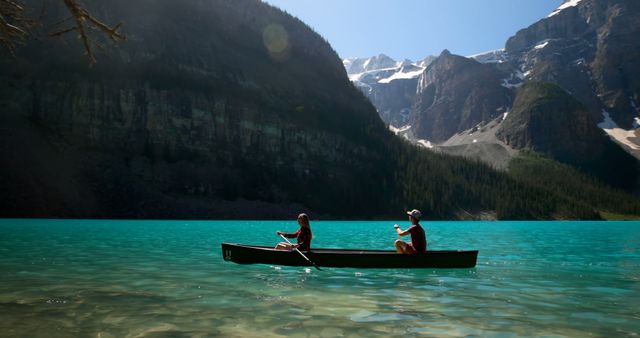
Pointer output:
414, 29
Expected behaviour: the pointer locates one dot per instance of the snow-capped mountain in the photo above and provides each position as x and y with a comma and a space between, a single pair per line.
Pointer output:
388, 83
383, 69
360, 65
587, 48
566, 4
492, 56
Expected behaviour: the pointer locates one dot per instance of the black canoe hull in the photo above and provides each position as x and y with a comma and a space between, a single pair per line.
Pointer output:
342, 258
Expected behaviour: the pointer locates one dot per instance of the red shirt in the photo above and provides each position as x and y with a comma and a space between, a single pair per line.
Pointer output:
304, 238
418, 238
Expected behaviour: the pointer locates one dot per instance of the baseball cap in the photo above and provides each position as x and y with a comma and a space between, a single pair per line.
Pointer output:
415, 213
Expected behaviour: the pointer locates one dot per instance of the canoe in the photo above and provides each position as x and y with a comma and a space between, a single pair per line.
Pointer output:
349, 258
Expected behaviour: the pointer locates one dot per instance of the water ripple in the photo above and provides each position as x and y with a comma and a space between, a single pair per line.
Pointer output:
167, 279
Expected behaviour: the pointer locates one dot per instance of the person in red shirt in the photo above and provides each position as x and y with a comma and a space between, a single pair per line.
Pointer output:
303, 235
418, 238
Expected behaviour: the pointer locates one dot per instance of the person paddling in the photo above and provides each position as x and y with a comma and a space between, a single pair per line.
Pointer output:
418, 238
303, 235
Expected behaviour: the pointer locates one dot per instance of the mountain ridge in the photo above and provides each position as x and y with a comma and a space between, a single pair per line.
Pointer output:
586, 47
211, 110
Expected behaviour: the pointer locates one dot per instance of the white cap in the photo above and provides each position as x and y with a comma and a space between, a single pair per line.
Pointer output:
415, 213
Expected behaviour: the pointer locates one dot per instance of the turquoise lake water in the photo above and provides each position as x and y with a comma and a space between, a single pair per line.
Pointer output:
86, 278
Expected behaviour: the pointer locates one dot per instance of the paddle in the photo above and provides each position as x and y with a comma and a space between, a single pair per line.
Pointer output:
301, 254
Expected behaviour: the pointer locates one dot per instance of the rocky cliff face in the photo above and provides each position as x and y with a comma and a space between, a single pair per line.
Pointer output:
589, 48
207, 101
454, 94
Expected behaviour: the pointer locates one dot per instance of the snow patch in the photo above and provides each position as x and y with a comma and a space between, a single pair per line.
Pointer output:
541, 44
401, 75
399, 130
617, 133
366, 63
492, 56
359, 76
425, 143
515, 80
355, 77
565, 5
504, 116
511, 85
636, 122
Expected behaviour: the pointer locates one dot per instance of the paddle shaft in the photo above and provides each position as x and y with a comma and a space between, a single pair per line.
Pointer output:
300, 252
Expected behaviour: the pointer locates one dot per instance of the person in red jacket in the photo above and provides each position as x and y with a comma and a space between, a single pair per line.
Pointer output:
303, 235
418, 238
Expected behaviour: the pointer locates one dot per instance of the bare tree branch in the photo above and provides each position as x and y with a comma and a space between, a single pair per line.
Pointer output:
11, 18
83, 20
14, 26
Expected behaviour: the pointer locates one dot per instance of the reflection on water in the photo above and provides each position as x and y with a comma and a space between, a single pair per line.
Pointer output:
167, 279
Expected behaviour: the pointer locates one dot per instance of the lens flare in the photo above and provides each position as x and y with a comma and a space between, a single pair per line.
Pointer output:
276, 40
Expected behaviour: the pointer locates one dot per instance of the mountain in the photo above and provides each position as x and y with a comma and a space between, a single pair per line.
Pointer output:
453, 83
360, 65
389, 84
547, 119
493, 56
207, 104
227, 109
588, 48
